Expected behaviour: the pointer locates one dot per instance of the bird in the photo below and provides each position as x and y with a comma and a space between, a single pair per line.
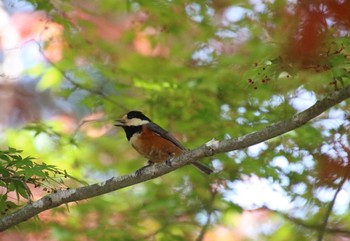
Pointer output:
152, 141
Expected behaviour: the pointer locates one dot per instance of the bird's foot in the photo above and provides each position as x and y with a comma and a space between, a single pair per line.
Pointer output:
168, 162
139, 171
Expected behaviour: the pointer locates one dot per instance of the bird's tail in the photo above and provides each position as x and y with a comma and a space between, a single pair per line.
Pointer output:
203, 168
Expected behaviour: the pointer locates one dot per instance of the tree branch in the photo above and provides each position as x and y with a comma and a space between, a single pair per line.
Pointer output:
312, 226
72, 81
323, 226
210, 211
209, 149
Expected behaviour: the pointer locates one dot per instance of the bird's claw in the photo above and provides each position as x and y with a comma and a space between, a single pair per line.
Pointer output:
168, 162
139, 171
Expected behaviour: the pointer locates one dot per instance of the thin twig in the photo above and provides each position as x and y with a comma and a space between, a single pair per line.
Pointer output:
323, 226
74, 83
83, 122
312, 226
210, 211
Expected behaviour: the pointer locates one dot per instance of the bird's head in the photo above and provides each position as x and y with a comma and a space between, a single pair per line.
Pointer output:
133, 118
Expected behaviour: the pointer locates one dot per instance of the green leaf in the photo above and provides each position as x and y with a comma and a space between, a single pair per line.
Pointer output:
21, 189
51, 79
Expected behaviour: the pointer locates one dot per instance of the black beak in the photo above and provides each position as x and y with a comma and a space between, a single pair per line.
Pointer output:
120, 123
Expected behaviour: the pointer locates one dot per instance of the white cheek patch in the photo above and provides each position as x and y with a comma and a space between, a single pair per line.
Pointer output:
137, 122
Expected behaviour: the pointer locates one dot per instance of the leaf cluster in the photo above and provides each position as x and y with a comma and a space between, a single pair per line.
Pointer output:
20, 175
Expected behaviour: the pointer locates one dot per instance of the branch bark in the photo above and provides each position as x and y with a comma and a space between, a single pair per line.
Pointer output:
208, 149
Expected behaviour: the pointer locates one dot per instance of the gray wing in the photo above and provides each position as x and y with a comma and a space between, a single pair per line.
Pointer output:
163, 133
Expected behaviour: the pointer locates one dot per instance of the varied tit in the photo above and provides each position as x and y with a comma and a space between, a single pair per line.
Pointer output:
152, 141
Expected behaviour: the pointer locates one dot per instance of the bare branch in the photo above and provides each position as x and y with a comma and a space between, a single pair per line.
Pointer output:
312, 226
210, 211
73, 82
323, 226
209, 149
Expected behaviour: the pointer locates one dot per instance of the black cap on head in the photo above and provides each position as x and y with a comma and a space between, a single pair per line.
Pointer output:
137, 114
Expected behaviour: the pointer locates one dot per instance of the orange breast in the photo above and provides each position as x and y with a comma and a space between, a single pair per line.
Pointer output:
153, 147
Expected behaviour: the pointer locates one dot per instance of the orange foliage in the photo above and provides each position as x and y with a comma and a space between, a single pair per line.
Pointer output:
314, 21
332, 167
36, 26
111, 29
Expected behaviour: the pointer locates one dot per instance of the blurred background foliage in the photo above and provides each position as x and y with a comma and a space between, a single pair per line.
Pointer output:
202, 69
